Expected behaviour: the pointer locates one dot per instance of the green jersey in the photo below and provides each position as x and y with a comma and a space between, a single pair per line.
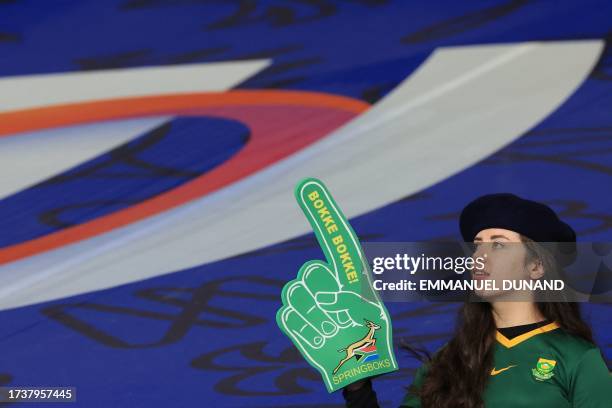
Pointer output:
543, 368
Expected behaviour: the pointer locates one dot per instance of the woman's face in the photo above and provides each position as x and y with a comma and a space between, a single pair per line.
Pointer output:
503, 256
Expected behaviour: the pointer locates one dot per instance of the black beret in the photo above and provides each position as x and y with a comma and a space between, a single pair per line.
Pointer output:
529, 218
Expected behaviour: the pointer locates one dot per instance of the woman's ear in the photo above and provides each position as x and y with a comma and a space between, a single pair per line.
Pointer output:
536, 269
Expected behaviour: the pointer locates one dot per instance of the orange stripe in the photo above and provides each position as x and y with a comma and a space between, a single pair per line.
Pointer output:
277, 130
71, 114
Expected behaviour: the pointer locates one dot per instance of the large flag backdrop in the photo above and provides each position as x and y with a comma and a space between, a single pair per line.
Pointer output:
148, 151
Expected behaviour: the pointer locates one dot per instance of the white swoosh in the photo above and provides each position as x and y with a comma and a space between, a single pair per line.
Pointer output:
30, 91
461, 105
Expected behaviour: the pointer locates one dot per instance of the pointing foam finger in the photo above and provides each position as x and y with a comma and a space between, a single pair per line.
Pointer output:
335, 235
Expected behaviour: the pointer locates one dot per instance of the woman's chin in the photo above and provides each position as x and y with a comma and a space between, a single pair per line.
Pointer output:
488, 295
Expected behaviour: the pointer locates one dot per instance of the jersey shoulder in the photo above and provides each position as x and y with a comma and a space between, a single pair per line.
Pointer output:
571, 348
570, 343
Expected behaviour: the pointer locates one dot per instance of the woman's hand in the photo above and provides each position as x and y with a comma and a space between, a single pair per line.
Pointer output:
356, 385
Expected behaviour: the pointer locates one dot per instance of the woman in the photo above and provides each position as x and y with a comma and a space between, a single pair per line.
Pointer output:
506, 353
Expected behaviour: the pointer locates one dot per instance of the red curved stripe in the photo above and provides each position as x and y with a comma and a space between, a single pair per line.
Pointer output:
281, 123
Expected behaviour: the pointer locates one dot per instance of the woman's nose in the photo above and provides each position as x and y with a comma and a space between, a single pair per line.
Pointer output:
481, 252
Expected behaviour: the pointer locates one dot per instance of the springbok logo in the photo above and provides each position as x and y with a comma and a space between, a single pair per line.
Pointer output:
364, 347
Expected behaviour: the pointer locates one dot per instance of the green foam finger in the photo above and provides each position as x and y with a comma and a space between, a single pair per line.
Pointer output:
330, 311
335, 235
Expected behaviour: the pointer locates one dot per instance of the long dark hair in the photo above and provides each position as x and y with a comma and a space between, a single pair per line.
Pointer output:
457, 375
